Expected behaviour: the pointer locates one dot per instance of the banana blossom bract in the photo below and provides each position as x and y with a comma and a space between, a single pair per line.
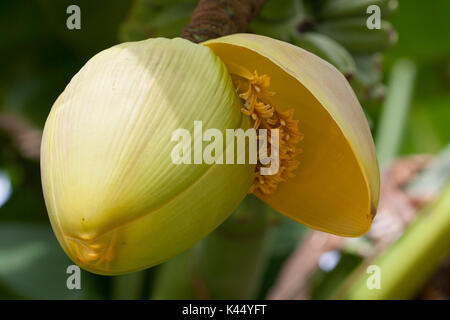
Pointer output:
116, 201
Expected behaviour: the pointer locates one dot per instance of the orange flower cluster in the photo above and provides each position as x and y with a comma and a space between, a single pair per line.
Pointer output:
266, 116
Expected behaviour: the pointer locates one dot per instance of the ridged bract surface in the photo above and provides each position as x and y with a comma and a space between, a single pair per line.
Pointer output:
116, 201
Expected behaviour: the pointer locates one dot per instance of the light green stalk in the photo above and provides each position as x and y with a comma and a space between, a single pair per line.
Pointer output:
395, 111
228, 264
408, 264
129, 286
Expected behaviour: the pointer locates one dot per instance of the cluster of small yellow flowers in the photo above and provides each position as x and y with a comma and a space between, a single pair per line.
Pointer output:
266, 116
97, 252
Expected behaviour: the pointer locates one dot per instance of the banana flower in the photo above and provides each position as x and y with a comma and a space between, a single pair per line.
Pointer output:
118, 203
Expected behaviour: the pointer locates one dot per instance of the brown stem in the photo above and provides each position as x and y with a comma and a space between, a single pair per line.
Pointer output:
24, 137
216, 18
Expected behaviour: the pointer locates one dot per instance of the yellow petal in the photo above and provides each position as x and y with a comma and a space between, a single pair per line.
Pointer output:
116, 201
336, 186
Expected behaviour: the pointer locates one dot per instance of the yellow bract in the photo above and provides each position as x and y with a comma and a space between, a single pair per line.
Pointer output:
116, 201
337, 182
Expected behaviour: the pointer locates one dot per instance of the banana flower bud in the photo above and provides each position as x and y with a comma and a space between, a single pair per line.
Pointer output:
117, 200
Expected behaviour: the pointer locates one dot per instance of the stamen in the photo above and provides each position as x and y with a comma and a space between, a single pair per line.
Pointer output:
268, 117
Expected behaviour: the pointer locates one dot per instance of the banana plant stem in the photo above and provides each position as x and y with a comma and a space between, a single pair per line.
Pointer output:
228, 264
129, 286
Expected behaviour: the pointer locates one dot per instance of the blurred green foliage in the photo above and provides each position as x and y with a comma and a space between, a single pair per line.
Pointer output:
423, 38
33, 266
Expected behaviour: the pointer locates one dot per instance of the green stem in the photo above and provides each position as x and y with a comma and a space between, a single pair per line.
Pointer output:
409, 263
228, 264
129, 286
395, 111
